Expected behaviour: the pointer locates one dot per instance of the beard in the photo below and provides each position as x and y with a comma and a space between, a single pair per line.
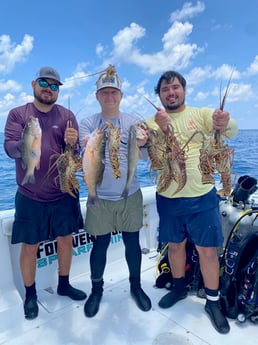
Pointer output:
42, 100
171, 107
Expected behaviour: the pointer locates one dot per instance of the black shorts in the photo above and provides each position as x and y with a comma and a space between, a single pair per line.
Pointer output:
36, 221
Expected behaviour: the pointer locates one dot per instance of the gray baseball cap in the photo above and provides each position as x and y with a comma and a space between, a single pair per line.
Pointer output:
48, 72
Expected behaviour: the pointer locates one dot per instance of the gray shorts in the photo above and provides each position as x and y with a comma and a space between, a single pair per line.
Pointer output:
36, 221
120, 215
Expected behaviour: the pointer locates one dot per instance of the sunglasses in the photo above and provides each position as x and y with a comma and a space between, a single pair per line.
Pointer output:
45, 84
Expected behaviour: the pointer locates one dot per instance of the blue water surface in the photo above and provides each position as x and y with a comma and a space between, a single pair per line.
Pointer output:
245, 145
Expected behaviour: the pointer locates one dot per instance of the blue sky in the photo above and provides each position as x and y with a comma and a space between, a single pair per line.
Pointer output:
203, 40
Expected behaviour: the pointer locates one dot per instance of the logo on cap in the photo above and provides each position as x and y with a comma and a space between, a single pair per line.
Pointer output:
109, 79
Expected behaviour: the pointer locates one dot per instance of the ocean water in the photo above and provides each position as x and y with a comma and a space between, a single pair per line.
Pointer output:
245, 145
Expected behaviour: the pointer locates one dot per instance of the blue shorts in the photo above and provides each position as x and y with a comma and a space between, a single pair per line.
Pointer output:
197, 219
36, 221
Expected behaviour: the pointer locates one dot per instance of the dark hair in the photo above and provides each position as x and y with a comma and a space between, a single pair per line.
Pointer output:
170, 76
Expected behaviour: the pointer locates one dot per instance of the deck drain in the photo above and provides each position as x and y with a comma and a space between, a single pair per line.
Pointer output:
171, 339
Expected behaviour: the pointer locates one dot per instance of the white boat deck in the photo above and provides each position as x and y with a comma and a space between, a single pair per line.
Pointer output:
61, 321
119, 321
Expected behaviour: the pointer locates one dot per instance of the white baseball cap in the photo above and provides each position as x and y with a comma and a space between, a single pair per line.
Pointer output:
109, 78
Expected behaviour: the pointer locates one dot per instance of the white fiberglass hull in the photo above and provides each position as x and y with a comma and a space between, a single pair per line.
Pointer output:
119, 321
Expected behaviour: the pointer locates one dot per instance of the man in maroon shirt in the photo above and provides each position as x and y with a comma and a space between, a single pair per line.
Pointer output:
42, 210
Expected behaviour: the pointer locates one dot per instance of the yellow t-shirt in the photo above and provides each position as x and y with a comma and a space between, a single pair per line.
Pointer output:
185, 124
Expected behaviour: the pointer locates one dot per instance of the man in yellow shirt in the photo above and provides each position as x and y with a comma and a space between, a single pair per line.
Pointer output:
192, 213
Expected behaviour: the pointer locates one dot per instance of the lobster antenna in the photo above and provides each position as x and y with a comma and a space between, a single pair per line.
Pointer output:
151, 103
90, 75
222, 102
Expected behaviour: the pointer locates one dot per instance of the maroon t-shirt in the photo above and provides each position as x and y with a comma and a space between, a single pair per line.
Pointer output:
53, 125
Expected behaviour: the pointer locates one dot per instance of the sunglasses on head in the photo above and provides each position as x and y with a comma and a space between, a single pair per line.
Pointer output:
43, 83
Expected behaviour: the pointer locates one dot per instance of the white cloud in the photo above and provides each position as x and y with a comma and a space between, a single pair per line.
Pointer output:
176, 52
99, 49
9, 101
235, 92
125, 85
6, 100
12, 53
240, 92
187, 11
9, 85
25, 98
124, 39
253, 69
199, 74
224, 72
201, 96
176, 35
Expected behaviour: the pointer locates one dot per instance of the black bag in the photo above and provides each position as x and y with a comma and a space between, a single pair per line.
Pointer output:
193, 276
